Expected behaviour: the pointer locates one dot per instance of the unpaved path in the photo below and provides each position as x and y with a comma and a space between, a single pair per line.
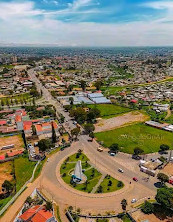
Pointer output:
120, 121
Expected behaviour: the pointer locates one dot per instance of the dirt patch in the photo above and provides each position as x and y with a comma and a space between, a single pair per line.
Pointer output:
120, 121
5, 172
65, 137
139, 216
16, 140
168, 169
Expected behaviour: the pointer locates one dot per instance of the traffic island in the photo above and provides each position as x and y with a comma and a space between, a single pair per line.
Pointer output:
78, 173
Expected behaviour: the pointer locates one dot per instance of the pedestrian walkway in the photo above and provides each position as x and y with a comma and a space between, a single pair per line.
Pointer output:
98, 184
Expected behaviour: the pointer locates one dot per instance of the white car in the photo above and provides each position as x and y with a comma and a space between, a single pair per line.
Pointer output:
121, 170
133, 200
48, 160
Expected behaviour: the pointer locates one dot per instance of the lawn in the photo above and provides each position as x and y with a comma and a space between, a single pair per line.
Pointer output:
170, 119
23, 171
93, 175
3, 202
138, 135
7, 66
112, 90
110, 110
16, 99
125, 218
116, 185
74, 158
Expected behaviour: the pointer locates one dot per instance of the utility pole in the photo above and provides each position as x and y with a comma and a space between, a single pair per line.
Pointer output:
170, 156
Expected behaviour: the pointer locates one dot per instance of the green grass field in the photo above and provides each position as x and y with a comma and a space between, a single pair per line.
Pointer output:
110, 110
23, 171
7, 66
125, 218
112, 90
138, 135
170, 119
73, 158
116, 185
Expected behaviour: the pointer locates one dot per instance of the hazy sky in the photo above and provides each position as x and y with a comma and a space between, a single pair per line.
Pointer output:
87, 22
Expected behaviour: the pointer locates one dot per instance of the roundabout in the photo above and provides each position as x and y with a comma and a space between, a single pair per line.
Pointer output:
59, 189
78, 172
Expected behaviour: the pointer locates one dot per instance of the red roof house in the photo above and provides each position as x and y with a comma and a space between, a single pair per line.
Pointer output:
36, 214
3, 122
133, 101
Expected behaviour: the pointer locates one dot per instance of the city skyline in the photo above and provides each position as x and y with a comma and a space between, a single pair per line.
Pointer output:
86, 22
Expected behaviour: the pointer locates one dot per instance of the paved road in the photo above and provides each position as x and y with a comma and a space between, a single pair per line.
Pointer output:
47, 96
51, 181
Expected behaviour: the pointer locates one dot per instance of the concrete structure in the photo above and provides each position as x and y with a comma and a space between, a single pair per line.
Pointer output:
77, 176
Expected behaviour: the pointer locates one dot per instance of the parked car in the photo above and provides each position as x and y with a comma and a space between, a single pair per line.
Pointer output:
135, 179
170, 181
112, 154
133, 200
99, 149
121, 170
135, 157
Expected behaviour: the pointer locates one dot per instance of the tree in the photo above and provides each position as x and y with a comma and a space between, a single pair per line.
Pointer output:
61, 131
100, 189
67, 107
98, 84
62, 118
93, 114
44, 144
53, 134
164, 197
8, 186
2, 102
33, 101
163, 178
124, 204
147, 208
79, 114
91, 134
24, 138
48, 205
164, 147
114, 147
33, 130
71, 99
70, 88
29, 200
75, 132
89, 127
34, 92
138, 151
83, 85
109, 183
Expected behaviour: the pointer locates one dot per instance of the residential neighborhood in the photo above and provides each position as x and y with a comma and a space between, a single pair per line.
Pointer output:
79, 128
